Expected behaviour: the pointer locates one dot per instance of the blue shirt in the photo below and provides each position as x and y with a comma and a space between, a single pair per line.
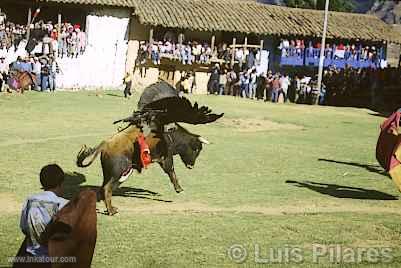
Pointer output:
37, 212
26, 67
17, 65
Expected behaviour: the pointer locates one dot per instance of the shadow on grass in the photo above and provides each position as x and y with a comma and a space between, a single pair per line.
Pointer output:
381, 114
340, 191
73, 181
371, 168
130, 192
114, 95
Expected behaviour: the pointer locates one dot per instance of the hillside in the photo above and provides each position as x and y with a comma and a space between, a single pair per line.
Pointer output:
388, 11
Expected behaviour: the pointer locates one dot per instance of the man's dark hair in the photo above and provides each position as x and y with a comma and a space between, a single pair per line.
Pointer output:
51, 176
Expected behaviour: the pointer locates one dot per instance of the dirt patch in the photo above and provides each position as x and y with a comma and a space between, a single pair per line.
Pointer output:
9, 204
195, 207
255, 125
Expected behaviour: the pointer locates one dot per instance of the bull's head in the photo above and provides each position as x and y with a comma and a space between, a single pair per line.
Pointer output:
188, 146
190, 153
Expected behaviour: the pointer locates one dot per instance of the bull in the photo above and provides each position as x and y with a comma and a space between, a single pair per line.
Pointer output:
120, 154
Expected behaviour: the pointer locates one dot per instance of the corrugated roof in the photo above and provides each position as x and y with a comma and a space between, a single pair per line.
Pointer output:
119, 3
251, 17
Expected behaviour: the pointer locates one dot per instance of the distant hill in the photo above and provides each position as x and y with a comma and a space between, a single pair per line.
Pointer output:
388, 11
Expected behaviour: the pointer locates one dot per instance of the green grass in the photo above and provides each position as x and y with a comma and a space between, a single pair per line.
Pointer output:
236, 195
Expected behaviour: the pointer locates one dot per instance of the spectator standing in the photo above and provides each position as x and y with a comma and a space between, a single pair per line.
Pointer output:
47, 48
244, 79
275, 88
213, 84
37, 70
53, 73
285, 83
63, 45
252, 83
231, 80
269, 86
128, 85
250, 60
82, 41
45, 74
3, 72
223, 83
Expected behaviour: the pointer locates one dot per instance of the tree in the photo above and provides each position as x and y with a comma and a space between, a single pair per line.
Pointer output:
335, 5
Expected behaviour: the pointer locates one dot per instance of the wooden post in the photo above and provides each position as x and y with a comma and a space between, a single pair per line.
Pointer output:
151, 36
28, 29
212, 43
180, 38
233, 52
59, 28
260, 52
246, 43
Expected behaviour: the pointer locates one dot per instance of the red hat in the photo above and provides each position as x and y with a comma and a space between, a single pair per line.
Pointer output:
77, 26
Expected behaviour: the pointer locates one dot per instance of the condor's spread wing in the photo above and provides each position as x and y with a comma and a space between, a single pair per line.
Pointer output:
161, 105
176, 110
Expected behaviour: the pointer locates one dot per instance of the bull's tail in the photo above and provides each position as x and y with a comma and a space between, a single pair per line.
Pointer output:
85, 152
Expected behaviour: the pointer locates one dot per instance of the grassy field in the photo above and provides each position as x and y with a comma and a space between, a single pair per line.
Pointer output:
278, 179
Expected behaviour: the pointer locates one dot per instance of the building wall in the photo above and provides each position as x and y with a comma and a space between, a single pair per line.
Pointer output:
139, 32
103, 63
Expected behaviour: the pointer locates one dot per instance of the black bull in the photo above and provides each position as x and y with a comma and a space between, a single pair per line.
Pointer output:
120, 154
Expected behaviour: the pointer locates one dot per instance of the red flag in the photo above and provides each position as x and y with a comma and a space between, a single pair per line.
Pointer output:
36, 13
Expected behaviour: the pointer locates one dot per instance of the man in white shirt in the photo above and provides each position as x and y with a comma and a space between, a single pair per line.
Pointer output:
3, 72
285, 83
39, 209
37, 70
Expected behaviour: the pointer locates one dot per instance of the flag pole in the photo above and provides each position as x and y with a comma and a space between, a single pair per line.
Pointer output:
323, 45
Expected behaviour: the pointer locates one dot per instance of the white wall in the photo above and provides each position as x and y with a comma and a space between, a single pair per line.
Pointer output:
103, 64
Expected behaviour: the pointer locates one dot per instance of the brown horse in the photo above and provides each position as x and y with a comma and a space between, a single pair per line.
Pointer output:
70, 236
22, 81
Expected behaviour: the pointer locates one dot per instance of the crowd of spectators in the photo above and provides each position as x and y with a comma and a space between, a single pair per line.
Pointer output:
45, 39
354, 51
348, 86
191, 52
40, 53
272, 87
44, 69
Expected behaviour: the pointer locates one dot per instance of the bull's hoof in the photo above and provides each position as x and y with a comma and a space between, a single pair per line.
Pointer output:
178, 190
112, 211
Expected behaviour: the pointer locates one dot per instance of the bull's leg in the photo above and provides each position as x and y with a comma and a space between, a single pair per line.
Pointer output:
167, 165
174, 181
108, 193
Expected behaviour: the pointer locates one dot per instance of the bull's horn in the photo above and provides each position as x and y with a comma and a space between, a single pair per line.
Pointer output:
203, 140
